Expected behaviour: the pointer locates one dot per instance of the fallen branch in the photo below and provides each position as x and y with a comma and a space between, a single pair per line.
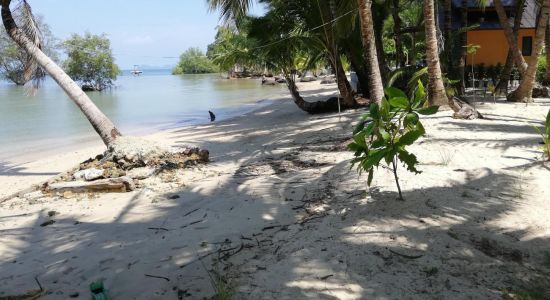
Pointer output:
158, 228
406, 256
159, 277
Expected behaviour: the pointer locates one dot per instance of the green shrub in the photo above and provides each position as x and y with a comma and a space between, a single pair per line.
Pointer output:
541, 68
545, 134
387, 129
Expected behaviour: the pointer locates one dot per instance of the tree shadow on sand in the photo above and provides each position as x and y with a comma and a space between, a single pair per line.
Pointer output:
285, 219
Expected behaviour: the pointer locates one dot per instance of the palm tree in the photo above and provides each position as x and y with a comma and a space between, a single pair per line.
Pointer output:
524, 91
367, 30
231, 9
28, 39
436, 89
510, 37
502, 86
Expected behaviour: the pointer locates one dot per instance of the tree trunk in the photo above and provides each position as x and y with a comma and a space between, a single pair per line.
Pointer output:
525, 89
102, 125
436, 89
447, 36
510, 37
399, 54
463, 44
348, 96
369, 43
546, 80
359, 66
331, 105
502, 86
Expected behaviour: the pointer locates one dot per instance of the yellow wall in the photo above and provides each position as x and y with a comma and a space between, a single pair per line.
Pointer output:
494, 47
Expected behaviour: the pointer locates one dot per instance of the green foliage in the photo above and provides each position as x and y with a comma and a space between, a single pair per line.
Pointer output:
13, 58
541, 68
90, 61
545, 134
387, 129
193, 61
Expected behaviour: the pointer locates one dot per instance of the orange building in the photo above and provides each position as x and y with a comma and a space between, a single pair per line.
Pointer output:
489, 35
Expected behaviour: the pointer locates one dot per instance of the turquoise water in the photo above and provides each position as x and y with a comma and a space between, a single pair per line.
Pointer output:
137, 105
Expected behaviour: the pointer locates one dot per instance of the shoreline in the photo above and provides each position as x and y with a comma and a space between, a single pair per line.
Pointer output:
37, 166
280, 210
32, 143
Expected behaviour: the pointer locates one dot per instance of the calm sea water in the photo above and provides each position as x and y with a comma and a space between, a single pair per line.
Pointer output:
151, 102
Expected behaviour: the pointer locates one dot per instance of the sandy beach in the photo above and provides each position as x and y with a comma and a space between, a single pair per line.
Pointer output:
279, 214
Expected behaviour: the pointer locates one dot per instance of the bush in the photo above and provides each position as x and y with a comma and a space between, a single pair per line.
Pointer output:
541, 68
90, 61
193, 61
387, 129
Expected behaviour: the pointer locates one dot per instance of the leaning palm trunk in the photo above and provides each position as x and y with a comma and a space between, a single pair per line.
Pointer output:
367, 31
102, 125
436, 89
317, 107
524, 91
510, 37
502, 86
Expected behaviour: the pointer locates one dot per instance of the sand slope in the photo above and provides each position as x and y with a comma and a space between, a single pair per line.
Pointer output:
281, 210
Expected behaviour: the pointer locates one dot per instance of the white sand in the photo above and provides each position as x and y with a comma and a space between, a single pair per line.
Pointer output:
305, 224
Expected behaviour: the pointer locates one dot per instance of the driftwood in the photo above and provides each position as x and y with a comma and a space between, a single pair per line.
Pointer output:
463, 110
120, 184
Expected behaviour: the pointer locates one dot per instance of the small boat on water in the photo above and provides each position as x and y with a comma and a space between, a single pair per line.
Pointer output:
136, 71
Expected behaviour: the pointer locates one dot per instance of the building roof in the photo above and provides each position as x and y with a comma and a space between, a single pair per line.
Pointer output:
475, 3
487, 17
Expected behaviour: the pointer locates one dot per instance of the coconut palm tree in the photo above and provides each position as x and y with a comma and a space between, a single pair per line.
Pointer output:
502, 86
28, 38
510, 37
524, 91
436, 90
367, 31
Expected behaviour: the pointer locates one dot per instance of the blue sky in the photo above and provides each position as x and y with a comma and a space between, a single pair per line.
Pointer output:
142, 32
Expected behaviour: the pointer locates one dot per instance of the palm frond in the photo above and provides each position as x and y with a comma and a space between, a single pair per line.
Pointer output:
30, 28
230, 9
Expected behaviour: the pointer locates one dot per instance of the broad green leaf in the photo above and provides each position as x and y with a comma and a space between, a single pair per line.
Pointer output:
385, 109
428, 110
400, 102
548, 122
379, 142
359, 127
419, 94
385, 135
360, 139
392, 92
374, 158
371, 176
355, 147
369, 129
389, 156
410, 119
374, 110
409, 138
409, 160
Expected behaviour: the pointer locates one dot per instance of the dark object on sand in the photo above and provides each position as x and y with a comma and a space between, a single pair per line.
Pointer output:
98, 291
212, 116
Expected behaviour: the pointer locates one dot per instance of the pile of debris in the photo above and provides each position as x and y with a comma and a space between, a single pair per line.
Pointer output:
127, 161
